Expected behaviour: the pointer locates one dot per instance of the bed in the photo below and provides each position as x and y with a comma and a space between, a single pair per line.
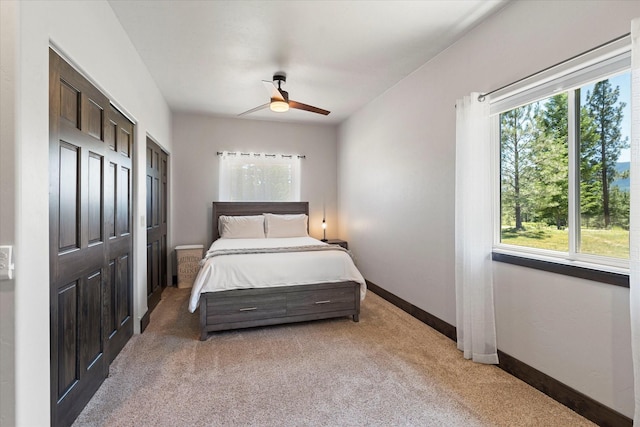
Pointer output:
284, 276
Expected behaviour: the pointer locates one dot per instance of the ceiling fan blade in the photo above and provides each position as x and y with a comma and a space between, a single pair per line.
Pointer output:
301, 106
255, 109
274, 92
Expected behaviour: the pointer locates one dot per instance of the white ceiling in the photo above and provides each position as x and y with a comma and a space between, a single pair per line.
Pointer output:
211, 56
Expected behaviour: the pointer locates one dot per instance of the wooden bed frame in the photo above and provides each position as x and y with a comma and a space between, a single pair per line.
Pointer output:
245, 308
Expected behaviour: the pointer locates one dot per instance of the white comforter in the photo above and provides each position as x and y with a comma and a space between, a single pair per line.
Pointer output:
240, 271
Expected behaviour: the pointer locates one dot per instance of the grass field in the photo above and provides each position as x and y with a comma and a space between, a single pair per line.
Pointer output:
613, 242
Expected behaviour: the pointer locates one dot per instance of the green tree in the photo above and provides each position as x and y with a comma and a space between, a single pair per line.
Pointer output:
590, 170
606, 113
551, 156
517, 133
620, 202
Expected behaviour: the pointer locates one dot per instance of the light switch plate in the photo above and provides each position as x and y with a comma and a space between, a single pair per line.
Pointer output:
6, 262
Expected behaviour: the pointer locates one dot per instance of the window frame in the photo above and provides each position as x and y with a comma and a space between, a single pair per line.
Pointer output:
600, 63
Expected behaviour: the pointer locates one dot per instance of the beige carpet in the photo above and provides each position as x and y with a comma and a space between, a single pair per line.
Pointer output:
387, 370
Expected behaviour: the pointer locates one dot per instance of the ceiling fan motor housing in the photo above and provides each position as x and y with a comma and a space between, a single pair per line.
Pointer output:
280, 77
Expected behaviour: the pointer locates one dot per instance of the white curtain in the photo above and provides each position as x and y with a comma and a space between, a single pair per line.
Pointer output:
475, 314
634, 233
259, 177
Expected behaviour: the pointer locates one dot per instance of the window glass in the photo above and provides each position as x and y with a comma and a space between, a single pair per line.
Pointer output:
535, 173
604, 167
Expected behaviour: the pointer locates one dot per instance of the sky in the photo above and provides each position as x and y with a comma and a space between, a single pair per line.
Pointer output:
624, 82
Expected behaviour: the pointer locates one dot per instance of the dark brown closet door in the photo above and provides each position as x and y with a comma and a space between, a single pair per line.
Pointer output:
90, 238
118, 214
157, 192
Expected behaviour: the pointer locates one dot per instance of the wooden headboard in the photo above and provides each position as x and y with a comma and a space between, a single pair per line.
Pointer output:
255, 208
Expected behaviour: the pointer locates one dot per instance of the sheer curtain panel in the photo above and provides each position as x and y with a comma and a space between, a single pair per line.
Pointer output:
259, 177
475, 314
634, 228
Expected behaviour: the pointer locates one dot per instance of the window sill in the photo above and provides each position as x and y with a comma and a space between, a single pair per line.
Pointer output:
582, 272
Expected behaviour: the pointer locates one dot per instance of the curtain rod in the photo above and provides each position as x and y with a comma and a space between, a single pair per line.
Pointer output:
288, 156
483, 96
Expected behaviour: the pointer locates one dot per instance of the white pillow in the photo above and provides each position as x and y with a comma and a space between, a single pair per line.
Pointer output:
285, 225
241, 227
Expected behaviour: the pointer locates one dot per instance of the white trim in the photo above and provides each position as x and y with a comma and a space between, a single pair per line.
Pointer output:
634, 215
574, 169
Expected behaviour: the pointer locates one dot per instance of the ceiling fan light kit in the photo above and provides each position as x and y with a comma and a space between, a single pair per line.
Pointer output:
280, 102
278, 105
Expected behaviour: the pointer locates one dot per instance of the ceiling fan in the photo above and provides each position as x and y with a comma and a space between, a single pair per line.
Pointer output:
280, 101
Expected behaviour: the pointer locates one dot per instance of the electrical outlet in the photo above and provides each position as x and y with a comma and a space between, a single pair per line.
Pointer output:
6, 262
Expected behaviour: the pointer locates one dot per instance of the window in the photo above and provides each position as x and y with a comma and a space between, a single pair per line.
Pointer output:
259, 177
564, 163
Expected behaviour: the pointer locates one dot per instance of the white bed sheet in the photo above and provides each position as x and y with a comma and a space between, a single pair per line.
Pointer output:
242, 271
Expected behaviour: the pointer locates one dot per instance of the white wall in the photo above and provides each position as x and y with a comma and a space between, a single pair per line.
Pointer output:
195, 168
396, 162
89, 35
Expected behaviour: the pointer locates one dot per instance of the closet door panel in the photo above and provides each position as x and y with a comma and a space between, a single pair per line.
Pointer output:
90, 239
157, 193
120, 242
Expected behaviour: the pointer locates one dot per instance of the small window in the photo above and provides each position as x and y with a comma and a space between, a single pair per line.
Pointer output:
564, 167
259, 177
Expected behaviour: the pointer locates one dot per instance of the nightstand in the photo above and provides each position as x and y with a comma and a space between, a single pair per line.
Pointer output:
338, 242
